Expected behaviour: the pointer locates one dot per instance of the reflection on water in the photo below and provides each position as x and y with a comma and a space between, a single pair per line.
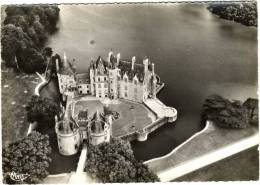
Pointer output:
195, 53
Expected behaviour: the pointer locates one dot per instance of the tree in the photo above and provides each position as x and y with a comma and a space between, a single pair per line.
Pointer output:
244, 13
14, 41
114, 162
24, 34
27, 156
225, 113
251, 106
31, 61
41, 110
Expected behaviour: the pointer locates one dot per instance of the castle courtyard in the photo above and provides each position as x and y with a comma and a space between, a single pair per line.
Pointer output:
132, 116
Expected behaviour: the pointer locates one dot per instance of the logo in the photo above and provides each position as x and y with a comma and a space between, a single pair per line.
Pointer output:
18, 177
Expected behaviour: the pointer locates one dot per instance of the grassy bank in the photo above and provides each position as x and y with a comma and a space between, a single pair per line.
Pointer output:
17, 90
212, 139
243, 166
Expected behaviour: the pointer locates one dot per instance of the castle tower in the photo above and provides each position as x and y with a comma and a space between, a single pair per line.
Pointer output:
99, 129
68, 141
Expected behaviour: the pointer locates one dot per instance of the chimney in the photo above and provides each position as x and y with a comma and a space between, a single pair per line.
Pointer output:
110, 53
153, 68
65, 64
117, 58
145, 62
57, 65
133, 62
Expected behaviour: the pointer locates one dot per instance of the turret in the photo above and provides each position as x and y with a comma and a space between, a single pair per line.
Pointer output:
133, 62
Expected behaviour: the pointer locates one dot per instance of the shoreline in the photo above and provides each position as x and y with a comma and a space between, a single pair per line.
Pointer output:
208, 149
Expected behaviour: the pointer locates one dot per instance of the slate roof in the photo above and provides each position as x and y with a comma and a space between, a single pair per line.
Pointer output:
125, 66
98, 123
67, 69
83, 78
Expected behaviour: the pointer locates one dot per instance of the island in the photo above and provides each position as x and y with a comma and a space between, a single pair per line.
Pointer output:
115, 98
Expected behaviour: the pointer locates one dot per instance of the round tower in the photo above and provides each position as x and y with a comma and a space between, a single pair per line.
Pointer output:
99, 129
68, 136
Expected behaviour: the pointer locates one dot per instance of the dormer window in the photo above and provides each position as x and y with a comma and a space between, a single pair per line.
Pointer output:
135, 82
125, 79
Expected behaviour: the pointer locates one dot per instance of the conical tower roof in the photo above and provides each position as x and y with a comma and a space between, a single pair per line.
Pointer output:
98, 116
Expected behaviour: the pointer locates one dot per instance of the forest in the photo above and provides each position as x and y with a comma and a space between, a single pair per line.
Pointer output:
244, 13
25, 31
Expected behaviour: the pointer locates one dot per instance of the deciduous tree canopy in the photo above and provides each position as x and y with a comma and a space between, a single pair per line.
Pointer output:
230, 114
39, 109
28, 156
114, 162
245, 13
24, 32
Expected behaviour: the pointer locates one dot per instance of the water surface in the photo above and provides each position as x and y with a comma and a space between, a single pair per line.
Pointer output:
195, 53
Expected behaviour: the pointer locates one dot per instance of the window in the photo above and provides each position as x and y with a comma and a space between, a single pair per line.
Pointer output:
106, 95
135, 82
99, 85
88, 91
126, 88
118, 78
111, 81
105, 78
125, 94
87, 86
125, 79
105, 85
111, 90
98, 79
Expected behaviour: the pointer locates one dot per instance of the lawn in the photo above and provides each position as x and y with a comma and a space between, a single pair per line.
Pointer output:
132, 117
243, 166
210, 140
17, 90
91, 105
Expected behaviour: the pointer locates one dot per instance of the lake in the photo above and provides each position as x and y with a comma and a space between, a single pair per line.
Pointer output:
195, 54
